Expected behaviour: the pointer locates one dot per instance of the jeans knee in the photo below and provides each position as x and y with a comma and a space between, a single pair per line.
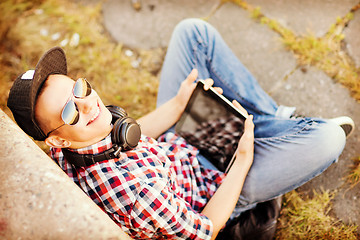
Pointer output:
192, 27
331, 139
189, 23
285, 163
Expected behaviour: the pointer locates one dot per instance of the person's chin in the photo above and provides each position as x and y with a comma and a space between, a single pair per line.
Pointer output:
107, 117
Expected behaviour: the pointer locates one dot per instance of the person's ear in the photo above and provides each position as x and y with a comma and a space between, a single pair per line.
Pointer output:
57, 142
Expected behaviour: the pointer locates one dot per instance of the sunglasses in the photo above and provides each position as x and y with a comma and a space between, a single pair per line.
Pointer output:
70, 113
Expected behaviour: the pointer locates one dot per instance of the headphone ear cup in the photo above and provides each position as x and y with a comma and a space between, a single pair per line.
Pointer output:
126, 133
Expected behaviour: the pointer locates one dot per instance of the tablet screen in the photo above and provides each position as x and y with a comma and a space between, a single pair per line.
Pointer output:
213, 125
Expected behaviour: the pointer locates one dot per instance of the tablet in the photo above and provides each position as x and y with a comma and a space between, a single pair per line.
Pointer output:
212, 124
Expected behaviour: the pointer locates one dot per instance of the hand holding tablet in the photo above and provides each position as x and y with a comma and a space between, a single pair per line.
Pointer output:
213, 124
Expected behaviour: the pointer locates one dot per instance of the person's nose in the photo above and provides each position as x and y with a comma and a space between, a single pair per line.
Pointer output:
85, 104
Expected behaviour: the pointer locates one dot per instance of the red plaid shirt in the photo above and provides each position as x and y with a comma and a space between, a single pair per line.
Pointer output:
156, 190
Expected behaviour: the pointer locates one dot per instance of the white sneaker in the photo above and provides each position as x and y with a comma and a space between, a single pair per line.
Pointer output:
346, 123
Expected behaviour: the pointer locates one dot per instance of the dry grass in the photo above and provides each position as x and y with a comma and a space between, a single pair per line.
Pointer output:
324, 52
29, 28
310, 218
113, 74
10, 13
354, 176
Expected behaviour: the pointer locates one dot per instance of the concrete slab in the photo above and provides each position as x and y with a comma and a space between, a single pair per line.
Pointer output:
346, 205
315, 94
304, 16
352, 38
151, 27
258, 48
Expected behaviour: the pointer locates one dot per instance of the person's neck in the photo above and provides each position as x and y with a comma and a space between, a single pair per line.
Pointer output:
78, 145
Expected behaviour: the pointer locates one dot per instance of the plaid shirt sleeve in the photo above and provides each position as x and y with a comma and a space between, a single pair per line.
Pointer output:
160, 212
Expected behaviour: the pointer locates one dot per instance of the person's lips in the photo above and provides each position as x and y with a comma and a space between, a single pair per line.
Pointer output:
96, 115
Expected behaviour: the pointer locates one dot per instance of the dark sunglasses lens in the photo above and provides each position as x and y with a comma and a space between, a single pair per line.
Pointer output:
82, 88
70, 114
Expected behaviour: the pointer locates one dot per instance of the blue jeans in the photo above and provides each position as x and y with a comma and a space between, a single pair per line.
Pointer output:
288, 151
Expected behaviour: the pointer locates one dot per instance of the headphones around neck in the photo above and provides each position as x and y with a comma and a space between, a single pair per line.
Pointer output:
126, 131
125, 136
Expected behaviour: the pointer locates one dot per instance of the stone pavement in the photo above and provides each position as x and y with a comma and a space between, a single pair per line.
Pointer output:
260, 49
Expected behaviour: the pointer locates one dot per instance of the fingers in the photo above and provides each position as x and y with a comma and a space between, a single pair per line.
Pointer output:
248, 135
192, 76
243, 110
246, 144
208, 83
249, 124
218, 90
